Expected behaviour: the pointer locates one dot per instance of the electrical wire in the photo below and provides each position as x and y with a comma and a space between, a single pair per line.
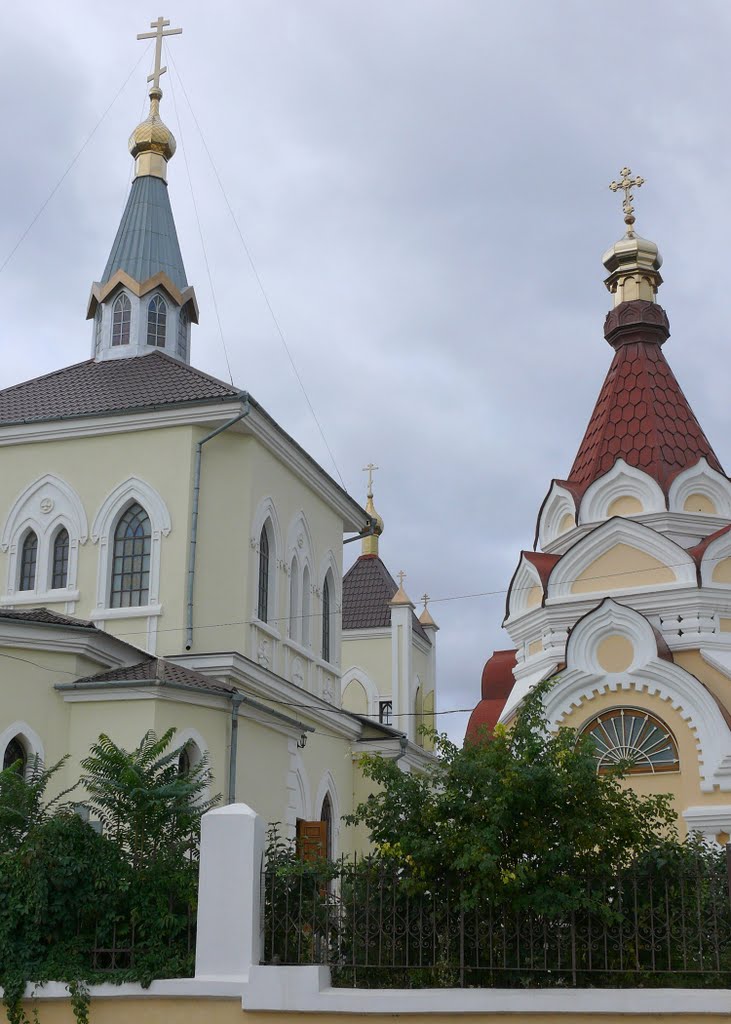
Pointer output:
200, 230
68, 170
257, 277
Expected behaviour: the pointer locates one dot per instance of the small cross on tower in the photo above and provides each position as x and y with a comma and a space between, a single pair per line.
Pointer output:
426, 599
160, 25
627, 183
401, 577
369, 470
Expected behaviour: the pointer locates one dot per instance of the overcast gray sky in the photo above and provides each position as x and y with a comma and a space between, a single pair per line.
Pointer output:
423, 187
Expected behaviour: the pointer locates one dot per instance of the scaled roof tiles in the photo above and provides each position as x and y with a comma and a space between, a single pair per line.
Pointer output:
643, 417
113, 385
368, 587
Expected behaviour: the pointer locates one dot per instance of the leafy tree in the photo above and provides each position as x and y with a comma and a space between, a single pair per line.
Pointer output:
145, 802
23, 807
522, 816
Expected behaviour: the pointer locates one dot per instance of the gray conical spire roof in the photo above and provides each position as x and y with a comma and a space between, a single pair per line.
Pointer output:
146, 241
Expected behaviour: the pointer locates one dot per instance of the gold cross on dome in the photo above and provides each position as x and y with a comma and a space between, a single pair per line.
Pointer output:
401, 577
369, 470
627, 183
160, 25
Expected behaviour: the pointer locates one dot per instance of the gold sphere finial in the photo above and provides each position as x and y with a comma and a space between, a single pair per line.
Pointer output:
633, 262
152, 143
370, 542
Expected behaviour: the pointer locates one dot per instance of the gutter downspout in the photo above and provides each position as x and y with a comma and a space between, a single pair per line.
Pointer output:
194, 511
236, 702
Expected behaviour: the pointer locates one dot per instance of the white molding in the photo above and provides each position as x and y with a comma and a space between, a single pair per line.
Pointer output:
621, 481
610, 619
356, 673
525, 578
601, 540
142, 611
31, 740
716, 551
102, 533
329, 565
63, 510
325, 788
266, 513
558, 503
701, 479
708, 820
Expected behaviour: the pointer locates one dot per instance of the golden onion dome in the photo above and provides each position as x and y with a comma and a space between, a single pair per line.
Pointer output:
153, 135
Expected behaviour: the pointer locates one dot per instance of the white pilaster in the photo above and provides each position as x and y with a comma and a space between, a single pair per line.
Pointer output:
402, 668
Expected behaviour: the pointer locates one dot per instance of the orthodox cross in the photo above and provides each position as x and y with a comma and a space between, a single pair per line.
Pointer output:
369, 470
627, 183
426, 599
158, 36
401, 577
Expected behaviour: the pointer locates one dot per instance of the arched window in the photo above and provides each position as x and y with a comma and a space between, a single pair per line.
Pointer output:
98, 329
630, 735
263, 603
306, 592
295, 631
15, 756
121, 320
28, 562
60, 564
181, 343
157, 315
326, 619
326, 815
131, 561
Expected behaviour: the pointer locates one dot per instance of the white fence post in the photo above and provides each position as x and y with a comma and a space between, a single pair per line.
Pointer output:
229, 894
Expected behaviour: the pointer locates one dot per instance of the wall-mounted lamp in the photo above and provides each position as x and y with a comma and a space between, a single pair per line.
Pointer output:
302, 741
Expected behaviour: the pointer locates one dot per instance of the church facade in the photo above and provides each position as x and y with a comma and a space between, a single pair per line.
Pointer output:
170, 556
626, 597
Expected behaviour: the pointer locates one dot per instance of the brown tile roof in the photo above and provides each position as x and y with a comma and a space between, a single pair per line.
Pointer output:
109, 386
643, 417
368, 587
159, 671
44, 616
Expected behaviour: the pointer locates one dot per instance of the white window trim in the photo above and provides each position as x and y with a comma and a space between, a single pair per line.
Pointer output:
327, 787
330, 565
266, 510
31, 740
102, 533
27, 513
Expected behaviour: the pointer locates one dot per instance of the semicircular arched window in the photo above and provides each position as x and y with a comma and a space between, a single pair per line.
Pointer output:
157, 315
121, 320
635, 737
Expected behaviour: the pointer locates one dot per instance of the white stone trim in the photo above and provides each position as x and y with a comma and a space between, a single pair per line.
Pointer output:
708, 821
102, 533
29, 737
327, 787
524, 580
701, 479
606, 536
358, 674
584, 679
329, 565
45, 506
716, 551
621, 481
266, 513
558, 503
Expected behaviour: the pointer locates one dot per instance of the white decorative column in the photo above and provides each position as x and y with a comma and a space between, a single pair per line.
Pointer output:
229, 937
402, 611
431, 629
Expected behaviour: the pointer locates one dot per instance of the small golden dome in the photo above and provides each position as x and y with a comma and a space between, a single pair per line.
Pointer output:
153, 135
377, 520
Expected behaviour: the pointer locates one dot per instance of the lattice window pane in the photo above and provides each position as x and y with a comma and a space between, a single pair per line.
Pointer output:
131, 559
157, 314
60, 573
28, 562
385, 712
634, 737
121, 320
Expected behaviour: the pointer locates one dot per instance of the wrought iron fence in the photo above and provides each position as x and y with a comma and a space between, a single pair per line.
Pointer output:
376, 925
118, 943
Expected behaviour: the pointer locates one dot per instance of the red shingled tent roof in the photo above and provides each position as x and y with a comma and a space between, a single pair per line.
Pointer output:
643, 417
497, 682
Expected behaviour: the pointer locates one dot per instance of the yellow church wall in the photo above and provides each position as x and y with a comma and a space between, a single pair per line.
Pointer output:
94, 467
717, 682
622, 567
722, 571
627, 505
262, 763
330, 757
683, 785
373, 655
201, 1010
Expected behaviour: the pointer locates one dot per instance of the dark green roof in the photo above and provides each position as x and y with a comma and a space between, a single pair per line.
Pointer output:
147, 241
